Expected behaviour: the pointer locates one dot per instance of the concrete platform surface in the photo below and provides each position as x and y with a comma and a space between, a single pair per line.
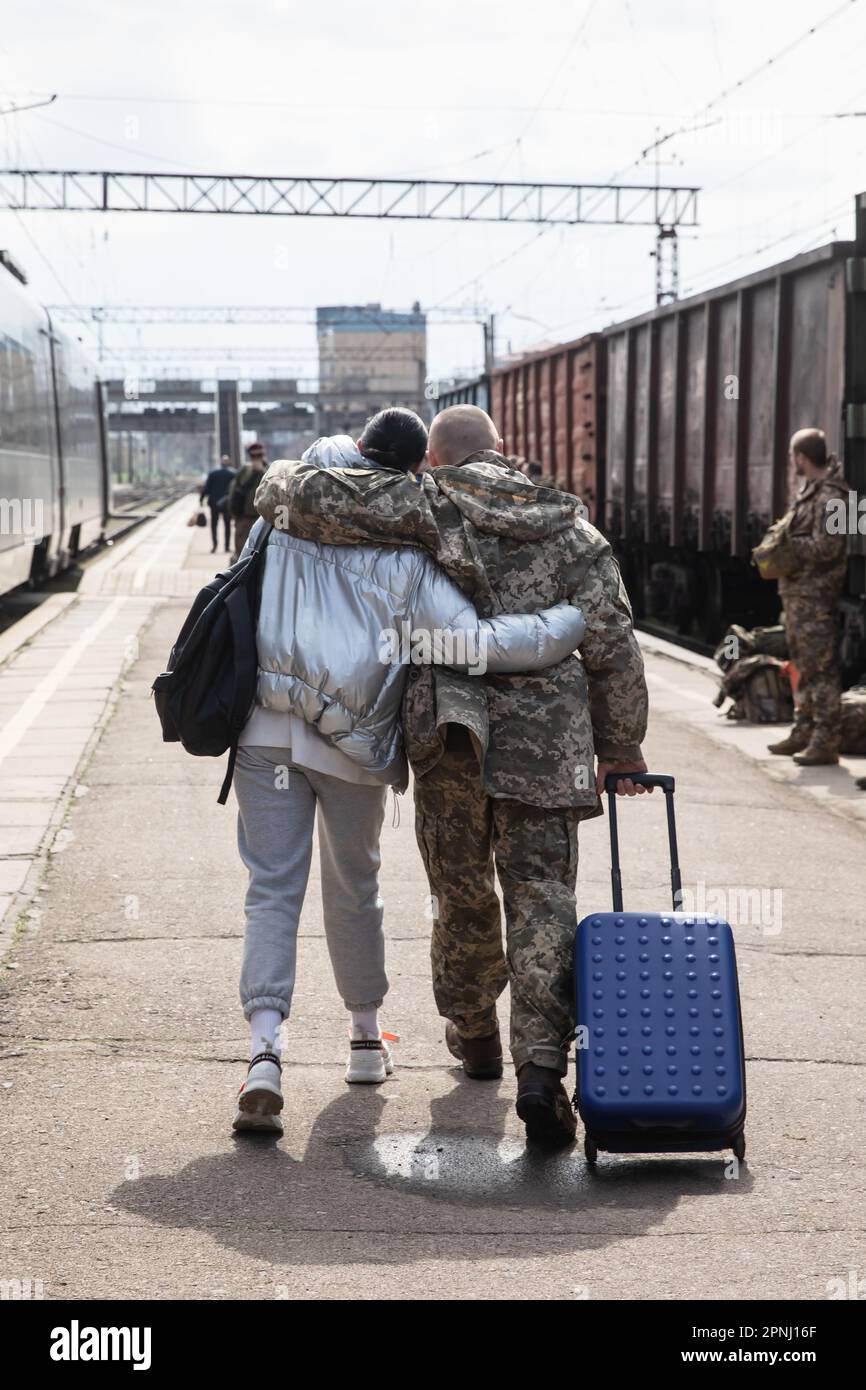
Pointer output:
122, 1042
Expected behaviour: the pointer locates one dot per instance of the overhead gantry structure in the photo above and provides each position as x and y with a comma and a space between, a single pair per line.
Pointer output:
449, 200
665, 207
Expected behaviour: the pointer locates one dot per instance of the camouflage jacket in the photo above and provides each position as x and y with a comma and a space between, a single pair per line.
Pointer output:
820, 551
512, 547
244, 481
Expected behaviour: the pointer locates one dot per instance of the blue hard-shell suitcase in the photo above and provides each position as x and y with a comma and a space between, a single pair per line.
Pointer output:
660, 1062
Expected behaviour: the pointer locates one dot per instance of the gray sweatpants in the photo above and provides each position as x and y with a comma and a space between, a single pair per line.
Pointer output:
276, 812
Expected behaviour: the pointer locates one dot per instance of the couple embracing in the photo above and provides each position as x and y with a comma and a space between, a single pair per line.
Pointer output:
525, 674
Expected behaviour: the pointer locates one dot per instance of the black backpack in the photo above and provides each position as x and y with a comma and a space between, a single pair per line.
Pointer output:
205, 695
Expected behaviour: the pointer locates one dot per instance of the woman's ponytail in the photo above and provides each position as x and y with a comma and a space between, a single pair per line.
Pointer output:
396, 438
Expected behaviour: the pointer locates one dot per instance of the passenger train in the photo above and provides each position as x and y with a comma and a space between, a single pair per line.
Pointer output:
54, 476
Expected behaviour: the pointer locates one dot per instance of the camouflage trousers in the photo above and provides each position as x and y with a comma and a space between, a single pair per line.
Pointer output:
812, 642
461, 833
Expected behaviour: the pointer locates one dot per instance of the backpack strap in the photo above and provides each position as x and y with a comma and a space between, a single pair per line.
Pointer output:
245, 643
245, 664
229, 777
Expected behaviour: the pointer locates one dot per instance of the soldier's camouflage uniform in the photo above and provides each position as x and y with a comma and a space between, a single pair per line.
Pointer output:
503, 764
809, 597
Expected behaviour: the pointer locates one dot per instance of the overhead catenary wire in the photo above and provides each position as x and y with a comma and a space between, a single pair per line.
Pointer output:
35, 244
725, 92
774, 58
534, 112
302, 103
129, 148
560, 67
743, 81
31, 106
706, 109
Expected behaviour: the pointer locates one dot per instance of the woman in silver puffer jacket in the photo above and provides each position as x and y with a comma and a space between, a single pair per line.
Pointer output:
337, 626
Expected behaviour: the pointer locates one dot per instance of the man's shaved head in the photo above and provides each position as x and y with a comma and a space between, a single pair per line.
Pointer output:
459, 431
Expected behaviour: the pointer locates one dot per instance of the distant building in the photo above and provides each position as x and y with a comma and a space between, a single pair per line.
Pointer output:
369, 357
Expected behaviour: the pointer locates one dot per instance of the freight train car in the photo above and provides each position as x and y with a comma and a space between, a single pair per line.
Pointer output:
551, 409
54, 488
674, 428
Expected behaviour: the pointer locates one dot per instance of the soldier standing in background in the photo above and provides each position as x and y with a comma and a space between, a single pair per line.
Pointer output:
809, 596
241, 496
504, 766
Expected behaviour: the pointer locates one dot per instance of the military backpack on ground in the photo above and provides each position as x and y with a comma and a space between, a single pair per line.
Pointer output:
742, 641
760, 689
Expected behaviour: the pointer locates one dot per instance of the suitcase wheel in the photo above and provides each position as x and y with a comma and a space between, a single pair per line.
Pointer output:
590, 1148
739, 1146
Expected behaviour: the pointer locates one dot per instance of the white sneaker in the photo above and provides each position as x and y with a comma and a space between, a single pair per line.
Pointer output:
370, 1060
260, 1098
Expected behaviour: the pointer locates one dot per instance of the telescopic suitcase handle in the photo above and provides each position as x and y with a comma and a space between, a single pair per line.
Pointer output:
642, 779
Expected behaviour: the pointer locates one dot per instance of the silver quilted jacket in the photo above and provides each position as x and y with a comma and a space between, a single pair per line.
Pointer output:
340, 625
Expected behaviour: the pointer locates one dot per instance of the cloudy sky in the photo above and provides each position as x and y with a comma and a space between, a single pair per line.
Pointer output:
559, 90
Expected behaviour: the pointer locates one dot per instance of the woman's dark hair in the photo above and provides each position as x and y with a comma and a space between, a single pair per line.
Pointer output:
395, 438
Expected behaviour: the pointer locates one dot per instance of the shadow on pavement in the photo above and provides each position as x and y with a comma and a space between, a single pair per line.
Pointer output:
367, 1190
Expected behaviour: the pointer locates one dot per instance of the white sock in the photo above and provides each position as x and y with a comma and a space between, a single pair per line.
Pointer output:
365, 1022
265, 1031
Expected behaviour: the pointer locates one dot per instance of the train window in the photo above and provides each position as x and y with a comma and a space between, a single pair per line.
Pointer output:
79, 425
22, 404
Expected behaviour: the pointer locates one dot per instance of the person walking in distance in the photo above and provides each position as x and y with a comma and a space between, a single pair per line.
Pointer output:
215, 491
810, 594
503, 765
241, 496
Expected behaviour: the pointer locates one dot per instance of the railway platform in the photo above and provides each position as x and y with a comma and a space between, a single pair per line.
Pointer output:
122, 1043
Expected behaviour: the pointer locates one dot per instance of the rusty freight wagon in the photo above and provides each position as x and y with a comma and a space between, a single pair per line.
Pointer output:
674, 428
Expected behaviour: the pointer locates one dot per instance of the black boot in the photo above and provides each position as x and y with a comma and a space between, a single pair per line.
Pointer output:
543, 1105
481, 1057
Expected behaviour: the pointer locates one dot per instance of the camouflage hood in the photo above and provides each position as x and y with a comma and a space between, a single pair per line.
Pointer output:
498, 499
489, 493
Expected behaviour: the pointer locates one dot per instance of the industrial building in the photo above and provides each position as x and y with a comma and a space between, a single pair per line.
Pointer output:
369, 357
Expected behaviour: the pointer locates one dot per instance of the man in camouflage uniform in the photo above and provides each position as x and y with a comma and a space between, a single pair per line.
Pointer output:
240, 499
809, 596
503, 765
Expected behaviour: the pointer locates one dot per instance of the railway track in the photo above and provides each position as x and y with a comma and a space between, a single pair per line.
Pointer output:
134, 506
135, 503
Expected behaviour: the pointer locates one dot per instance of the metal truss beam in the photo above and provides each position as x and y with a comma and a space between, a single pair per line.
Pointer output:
153, 390
437, 200
142, 352
236, 313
